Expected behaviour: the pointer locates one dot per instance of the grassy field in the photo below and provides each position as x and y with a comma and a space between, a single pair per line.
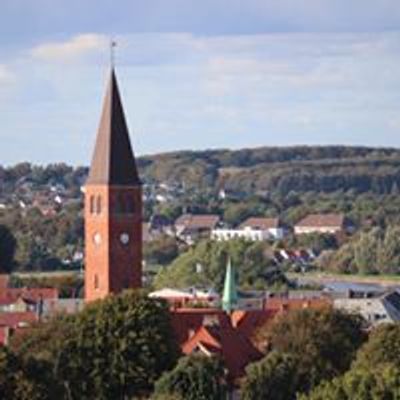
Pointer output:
318, 276
47, 274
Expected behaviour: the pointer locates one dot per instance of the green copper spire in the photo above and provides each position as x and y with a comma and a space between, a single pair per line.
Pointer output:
230, 296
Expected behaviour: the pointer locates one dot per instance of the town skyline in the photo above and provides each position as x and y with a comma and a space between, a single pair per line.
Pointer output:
194, 77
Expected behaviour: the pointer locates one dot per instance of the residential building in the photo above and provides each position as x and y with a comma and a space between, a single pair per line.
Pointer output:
375, 310
253, 229
186, 298
321, 223
190, 227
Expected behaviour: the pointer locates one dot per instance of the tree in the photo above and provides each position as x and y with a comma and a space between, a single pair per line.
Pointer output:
389, 254
324, 341
317, 242
19, 381
382, 347
375, 373
162, 251
343, 259
272, 378
115, 348
205, 264
7, 249
361, 384
366, 251
196, 377
10, 373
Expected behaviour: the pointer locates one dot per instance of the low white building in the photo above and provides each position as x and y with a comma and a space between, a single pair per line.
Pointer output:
253, 229
375, 310
191, 295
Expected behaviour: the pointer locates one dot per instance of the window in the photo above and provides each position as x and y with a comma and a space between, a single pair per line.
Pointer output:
91, 204
130, 204
119, 205
96, 281
98, 205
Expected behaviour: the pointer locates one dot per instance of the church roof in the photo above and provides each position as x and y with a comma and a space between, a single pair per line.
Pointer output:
230, 296
113, 162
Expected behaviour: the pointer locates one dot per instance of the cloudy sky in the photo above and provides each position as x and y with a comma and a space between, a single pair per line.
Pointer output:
197, 74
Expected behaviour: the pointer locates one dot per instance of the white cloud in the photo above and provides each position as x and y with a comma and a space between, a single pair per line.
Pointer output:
71, 50
6, 75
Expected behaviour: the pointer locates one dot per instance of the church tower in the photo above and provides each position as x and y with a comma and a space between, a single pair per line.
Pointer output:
113, 206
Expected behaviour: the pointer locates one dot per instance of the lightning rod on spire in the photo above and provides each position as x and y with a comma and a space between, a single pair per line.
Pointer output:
113, 45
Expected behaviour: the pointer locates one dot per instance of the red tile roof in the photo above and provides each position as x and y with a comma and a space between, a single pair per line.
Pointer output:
247, 322
285, 304
4, 280
187, 320
235, 349
322, 220
260, 223
10, 295
231, 336
16, 319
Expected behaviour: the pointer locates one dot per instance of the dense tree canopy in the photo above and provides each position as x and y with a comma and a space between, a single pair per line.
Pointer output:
375, 373
361, 384
205, 265
115, 348
21, 380
196, 377
370, 252
273, 378
7, 249
324, 342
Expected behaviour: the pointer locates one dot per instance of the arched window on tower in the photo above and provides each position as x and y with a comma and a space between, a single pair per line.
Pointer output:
91, 205
119, 205
98, 205
130, 204
96, 281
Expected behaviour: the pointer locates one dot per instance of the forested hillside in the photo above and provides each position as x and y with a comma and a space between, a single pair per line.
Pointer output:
41, 205
300, 169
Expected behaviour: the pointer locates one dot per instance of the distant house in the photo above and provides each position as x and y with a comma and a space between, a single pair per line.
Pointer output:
181, 298
253, 229
377, 310
190, 226
52, 307
321, 223
24, 299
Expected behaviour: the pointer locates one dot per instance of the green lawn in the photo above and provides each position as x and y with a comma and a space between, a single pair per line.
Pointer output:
382, 279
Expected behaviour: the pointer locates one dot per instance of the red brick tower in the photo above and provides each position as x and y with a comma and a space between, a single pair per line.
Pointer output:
113, 206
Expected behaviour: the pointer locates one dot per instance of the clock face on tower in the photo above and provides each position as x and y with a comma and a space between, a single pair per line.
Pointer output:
97, 238
124, 238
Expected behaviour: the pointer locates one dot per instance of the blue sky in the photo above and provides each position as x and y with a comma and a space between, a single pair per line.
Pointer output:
197, 74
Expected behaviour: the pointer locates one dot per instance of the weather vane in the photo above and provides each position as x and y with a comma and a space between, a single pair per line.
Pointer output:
113, 45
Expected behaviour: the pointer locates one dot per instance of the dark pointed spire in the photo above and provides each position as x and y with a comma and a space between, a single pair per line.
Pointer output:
113, 162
